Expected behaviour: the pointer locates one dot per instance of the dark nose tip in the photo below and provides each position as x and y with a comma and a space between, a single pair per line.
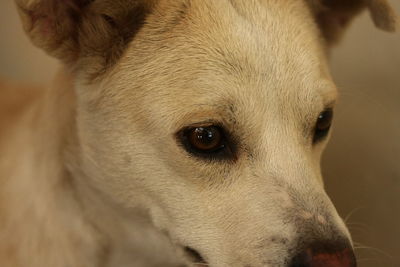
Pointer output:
324, 254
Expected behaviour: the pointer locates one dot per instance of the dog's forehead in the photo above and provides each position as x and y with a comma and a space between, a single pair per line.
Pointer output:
251, 56
251, 35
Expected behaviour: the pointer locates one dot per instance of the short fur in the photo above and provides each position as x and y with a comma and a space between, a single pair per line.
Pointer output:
91, 171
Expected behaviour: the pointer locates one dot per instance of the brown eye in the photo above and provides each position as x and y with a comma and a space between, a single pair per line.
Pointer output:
205, 139
323, 125
209, 142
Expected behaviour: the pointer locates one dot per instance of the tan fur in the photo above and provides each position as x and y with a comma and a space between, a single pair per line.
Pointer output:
92, 173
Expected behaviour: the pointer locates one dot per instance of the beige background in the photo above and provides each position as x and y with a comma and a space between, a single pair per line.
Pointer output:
362, 163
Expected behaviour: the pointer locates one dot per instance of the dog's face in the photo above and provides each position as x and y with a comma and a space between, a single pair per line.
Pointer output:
211, 115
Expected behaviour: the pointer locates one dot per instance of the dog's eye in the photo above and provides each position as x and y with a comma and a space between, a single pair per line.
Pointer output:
207, 142
323, 125
205, 139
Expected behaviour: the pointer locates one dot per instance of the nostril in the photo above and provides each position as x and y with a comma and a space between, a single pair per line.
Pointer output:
324, 254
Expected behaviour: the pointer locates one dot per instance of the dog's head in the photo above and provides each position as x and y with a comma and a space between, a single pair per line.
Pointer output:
212, 115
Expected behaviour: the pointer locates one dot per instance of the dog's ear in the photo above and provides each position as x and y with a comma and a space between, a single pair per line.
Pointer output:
72, 29
334, 15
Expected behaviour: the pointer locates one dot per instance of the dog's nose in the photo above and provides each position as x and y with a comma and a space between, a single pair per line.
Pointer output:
325, 254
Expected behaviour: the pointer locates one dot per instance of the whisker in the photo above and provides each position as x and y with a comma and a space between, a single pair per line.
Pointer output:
351, 213
376, 250
360, 227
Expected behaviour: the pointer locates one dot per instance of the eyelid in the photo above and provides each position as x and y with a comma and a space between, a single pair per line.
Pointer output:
207, 123
329, 105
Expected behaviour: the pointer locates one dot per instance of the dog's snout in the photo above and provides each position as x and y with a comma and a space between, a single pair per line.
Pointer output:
325, 254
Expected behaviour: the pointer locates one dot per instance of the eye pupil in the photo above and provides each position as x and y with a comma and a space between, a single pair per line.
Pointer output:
205, 138
324, 120
204, 135
323, 124
211, 142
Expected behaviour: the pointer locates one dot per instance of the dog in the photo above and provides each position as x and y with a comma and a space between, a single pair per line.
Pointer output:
177, 133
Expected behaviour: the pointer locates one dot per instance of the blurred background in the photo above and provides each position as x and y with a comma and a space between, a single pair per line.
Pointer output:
362, 162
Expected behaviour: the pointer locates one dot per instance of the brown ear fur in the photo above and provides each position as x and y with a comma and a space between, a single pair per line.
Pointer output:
76, 29
334, 15
383, 15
